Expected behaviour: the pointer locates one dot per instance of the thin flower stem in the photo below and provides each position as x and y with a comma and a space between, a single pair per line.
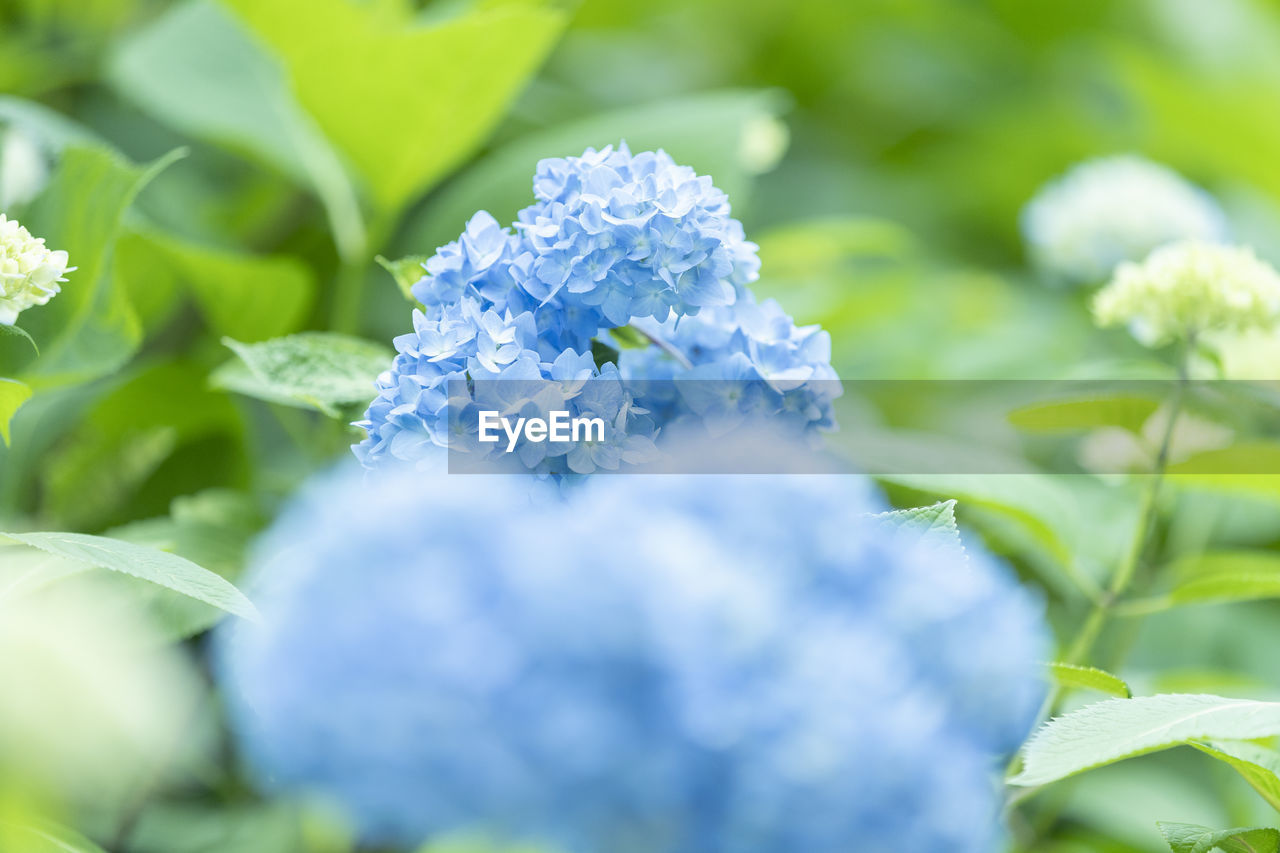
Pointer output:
1105, 607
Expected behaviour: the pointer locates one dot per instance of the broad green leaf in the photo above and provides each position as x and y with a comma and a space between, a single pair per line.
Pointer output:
46, 837
321, 370
1259, 765
935, 525
1251, 469
1117, 729
707, 131
1038, 505
1223, 576
1120, 410
198, 70
166, 570
113, 465
1089, 678
821, 245
1189, 838
89, 329
406, 272
247, 297
51, 128
12, 395
405, 101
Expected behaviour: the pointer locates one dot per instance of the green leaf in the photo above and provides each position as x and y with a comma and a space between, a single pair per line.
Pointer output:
602, 353
112, 466
628, 337
706, 131
198, 70
935, 525
1190, 838
12, 395
1259, 765
1222, 576
247, 297
320, 370
1125, 728
1119, 410
406, 271
1089, 678
1032, 500
1241, 469
166, 570
89, 329
51, 128
373, 77
19, 332
46, 837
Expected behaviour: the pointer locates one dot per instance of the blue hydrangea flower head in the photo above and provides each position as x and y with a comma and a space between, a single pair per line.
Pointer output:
685, 664
1102, 212
744, 361
634, 236
613, 239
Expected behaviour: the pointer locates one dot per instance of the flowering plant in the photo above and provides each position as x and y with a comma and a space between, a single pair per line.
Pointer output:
614, 244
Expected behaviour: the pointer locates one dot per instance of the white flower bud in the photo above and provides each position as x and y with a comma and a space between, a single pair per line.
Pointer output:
29, 272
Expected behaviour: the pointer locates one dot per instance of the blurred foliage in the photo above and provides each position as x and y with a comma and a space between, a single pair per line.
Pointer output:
231, 168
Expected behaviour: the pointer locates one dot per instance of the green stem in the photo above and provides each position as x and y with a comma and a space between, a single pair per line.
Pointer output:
347, 308
348, 298
1105, 607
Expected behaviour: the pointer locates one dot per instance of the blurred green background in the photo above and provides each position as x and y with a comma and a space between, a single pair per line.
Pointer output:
231, 169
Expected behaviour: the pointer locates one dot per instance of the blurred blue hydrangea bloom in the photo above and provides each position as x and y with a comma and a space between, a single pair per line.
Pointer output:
613, 240
657, 665
1080, 226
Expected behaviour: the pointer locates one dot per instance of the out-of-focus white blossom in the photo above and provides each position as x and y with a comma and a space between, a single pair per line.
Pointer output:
1114, 209
23, 170
1185, 289
29, 272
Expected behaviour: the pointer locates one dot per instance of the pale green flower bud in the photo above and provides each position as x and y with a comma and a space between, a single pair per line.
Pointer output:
29, 273
1184, 289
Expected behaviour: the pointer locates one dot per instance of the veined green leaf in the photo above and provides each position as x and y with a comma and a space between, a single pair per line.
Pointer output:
1119, 410
320, 370
1036, 504
1189, 838
373, 78
166, 570
935, 525
1259, 765
1089, 678
12, 395
1117, 729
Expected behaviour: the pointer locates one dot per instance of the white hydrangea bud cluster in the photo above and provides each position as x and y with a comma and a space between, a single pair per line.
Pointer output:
1185, 289
29, 272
